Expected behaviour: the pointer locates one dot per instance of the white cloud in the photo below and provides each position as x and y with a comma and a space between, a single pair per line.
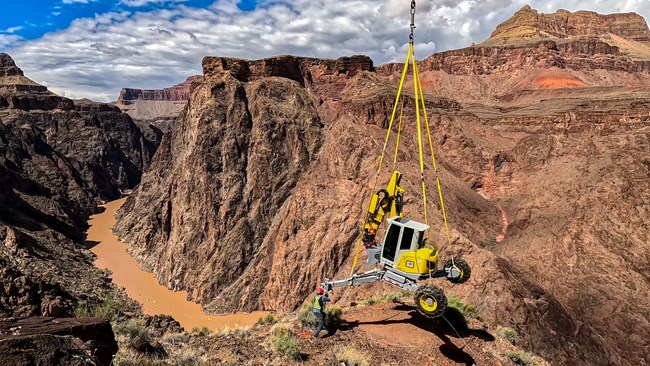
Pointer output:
97, 56
77, 1
148, 2
11, 29
8, 39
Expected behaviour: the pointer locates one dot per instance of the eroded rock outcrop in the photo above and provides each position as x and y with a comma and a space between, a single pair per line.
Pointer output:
57, 341
277, 159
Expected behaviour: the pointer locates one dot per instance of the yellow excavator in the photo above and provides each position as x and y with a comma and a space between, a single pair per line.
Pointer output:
403, 257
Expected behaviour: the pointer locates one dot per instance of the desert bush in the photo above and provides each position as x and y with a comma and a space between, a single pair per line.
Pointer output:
351, 356
508, 334
333, 315
131, 328
306, 316
285, 343
270, 318
179, 338
523, 358
202, 332
467, 310
110, 307
387, 297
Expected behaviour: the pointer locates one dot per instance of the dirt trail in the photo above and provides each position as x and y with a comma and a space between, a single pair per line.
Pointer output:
142, 286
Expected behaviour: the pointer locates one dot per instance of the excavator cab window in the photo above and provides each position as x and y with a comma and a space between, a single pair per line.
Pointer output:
421, 240
407, 239
391, 242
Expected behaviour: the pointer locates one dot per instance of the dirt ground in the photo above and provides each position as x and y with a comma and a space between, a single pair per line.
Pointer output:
392, 333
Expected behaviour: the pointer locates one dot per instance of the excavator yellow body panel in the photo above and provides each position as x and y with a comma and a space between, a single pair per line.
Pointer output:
420, 261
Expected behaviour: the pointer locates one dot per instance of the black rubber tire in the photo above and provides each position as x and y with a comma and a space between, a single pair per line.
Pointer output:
466, 270
430, 292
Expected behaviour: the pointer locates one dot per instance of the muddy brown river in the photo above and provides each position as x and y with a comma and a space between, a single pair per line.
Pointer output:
143, 287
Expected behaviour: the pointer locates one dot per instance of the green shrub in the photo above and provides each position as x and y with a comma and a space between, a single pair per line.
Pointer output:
387, 297
523, 358
306, 316
351, 356
270, 318
131, 328
508, 334
200, 331
286, 344
333, 315
467, 310
110, 307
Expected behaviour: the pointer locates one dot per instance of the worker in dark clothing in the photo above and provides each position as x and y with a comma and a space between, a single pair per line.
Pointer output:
319, 309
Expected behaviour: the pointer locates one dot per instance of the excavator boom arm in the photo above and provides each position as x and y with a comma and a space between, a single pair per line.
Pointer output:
387, 201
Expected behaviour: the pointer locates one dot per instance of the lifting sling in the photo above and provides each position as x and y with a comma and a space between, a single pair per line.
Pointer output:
377, 207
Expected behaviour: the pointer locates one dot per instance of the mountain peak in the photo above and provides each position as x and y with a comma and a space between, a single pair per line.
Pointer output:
528, 24
8, 66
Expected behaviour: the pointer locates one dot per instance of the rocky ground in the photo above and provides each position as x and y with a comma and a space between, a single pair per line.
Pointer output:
383, 330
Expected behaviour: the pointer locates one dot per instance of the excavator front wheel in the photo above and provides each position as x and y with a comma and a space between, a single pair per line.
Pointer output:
458, 265
430, 301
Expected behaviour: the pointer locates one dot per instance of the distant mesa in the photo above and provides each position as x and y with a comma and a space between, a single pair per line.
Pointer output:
627, 31
178, 92
159, 107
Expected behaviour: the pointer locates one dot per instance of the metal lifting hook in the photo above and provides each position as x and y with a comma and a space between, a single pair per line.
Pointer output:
412, 20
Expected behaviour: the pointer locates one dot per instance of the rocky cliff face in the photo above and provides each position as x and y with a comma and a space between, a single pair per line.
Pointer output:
57, 341
273, 144
58, 160
282, 154
524, 57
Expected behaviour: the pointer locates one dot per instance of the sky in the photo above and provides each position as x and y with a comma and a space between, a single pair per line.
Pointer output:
93, 48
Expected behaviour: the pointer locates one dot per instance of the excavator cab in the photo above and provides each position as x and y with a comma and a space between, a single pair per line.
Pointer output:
404, 249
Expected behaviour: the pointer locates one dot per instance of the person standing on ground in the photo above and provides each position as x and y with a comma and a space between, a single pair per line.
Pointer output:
319, 308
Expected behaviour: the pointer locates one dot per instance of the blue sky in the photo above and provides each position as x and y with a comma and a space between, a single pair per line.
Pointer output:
93, 48
30, 19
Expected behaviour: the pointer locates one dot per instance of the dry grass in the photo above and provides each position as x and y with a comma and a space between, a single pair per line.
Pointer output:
285, 343
351, 356
523, 358
468, 310
508, 334
387, 297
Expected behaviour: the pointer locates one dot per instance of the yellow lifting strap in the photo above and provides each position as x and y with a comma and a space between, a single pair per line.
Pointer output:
383, 150
419, 104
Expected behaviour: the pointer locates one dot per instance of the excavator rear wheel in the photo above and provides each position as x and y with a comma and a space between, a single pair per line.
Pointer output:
462, 266
430, 301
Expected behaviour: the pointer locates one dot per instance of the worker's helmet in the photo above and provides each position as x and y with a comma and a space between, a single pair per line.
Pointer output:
320, 291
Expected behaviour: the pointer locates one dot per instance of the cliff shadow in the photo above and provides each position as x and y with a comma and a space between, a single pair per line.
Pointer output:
89, 244
452, 324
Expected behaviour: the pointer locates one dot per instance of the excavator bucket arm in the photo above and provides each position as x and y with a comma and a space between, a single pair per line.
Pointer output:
386, 201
